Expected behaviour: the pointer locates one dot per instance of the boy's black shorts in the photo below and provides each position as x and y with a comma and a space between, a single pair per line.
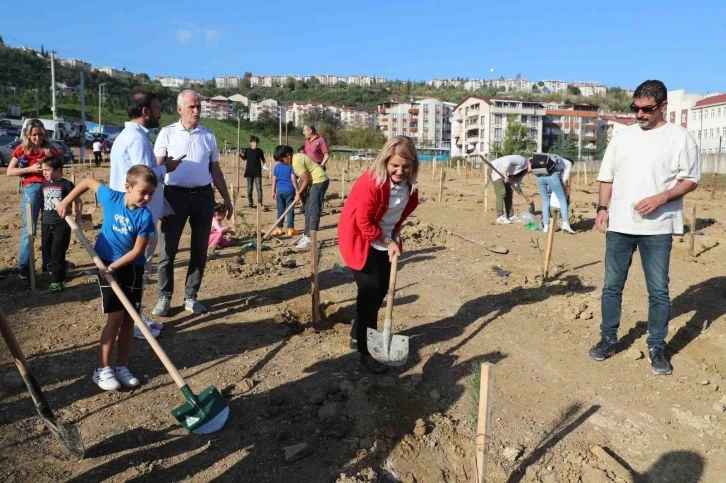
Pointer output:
131, 280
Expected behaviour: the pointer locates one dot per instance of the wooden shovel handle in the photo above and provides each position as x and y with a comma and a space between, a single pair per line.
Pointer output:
501, 176
391, 288
178, 379
282, 217
548, 251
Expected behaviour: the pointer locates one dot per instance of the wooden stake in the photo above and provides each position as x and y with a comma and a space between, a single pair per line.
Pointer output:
259, 234
441, 185
314, 283
585, 173
342, 184
692, 248
458, 167
613, 464
30, 227
486, 189
713, 185
433, 168
548, 251
466, 174
482, 428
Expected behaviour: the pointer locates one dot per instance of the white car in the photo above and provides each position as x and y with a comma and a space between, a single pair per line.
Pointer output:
360, 157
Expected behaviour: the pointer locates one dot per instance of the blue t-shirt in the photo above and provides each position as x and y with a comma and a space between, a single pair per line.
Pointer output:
282, 173
121, 226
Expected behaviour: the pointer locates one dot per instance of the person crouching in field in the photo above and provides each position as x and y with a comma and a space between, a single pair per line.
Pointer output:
368, 232
121, 244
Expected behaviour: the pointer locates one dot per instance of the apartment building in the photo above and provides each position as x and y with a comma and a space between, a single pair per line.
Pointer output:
479, 123
260, 107
261, 81
707, 123
114, 72
554, 87
358, 116
227, 82
564, 120
679, 102
612, 123
475, 84
427, 121
444, 82
513, 85
297, 110
590, 89
75, 64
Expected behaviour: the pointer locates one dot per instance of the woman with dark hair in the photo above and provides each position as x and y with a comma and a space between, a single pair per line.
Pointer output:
27, 162
368, 232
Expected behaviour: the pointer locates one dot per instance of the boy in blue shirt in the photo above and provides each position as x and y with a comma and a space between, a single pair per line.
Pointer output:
284, 182
127, 227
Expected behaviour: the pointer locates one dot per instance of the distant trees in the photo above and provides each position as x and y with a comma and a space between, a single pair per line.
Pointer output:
516, 139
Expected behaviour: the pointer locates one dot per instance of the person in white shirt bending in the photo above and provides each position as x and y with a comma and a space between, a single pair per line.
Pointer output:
647, 169
514, 168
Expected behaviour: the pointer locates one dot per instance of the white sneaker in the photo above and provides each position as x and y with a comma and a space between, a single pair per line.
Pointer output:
568, 229
515, 219
151, 324
503, 220
125, 377
546, 228
105, 379
139, 335
304, 245
302, 239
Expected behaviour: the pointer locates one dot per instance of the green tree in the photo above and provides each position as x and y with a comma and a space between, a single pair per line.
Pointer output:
574, 90
362, 138
290, 83
567, 147
246, 82
516, 139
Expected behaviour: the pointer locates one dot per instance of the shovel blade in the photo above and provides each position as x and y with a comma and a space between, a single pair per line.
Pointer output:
66, 433
202, 414
391, 350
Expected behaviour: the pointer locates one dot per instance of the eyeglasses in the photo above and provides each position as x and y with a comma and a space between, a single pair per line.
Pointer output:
645, 109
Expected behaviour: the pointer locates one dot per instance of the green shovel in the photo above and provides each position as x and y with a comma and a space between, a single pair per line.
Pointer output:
202, 414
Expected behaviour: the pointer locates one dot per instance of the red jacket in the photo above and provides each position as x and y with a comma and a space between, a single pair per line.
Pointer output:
364, 209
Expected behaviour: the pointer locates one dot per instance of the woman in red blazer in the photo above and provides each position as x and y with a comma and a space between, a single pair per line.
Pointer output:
368, 232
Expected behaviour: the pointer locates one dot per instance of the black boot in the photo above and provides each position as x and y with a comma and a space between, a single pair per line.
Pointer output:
373, 365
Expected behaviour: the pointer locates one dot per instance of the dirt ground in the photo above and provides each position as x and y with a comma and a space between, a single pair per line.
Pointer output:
289, 381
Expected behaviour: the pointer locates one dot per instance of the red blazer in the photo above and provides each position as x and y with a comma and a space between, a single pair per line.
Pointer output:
364, 209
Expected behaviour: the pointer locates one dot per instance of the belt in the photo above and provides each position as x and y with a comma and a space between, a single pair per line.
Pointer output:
193, 190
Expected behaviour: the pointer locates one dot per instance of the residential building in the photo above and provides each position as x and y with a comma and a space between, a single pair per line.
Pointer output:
205, 107
221, 108
227, 82
443, 82
475, 84
426, 121
260, 107
239, 98
590, 89
707, 123
554, 87
172, 82
114, 72
480, 123
612, 123
358, 116
193, 82
297, 110
679, 102
513, 85
261, 81
572, 119
75, 64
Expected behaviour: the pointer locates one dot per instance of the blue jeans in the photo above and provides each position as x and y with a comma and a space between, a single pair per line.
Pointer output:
554, 183
33, 194
283, 201
655, 254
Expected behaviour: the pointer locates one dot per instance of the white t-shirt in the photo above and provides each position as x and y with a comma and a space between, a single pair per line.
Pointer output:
200, 147
397, 201
509, 165
96, 147
562, 165
642, 163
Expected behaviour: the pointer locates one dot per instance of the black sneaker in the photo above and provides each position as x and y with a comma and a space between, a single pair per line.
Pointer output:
658, 362
373, 365
604, 349
24, 273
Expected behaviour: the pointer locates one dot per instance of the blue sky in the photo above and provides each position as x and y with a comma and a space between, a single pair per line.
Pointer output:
616, 43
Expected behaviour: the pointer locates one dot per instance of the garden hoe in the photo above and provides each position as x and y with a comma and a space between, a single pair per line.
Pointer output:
386, 348
64, 432
202, 414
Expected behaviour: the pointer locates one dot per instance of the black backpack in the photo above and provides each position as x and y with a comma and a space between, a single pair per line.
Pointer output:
542, 165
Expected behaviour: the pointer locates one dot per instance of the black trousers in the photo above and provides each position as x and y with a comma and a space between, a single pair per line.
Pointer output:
55, 241
97, 158
254, 183
372, 283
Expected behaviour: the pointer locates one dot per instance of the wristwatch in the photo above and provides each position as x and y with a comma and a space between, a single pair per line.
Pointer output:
601, 208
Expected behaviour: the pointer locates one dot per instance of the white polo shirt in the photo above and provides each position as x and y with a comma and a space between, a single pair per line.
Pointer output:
642, 163
200, 147
132, 147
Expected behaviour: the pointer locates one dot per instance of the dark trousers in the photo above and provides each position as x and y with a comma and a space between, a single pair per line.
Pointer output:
97, 158
372, 282
258, 183
655, 254
55, 241
314, 206
198, 208
504, 195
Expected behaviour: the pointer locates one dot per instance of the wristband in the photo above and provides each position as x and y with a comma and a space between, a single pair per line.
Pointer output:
602, 208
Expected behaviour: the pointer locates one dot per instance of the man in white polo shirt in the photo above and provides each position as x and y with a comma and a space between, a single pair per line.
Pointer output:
647, 169
191, 196
132, 147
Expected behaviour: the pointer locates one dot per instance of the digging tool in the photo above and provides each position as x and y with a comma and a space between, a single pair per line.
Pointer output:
492, 248
548, 252
386, 348
65, 432
282, 217
201, 414
259, 235
314, 281
30, 227
527, 200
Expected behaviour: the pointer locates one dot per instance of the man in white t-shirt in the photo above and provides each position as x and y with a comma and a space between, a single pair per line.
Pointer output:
647, 169
514, 168
97, 152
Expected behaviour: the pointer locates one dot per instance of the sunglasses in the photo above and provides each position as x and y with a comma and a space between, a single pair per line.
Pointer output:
645, 109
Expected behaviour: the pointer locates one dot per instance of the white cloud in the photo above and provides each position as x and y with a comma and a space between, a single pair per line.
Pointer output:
189, 32
211, 37
184, 36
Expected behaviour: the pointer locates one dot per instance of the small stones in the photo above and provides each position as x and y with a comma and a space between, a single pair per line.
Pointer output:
634, 354
420, 428
512, 453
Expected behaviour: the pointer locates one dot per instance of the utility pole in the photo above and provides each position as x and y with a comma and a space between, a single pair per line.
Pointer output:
280, 125
100, 98
37, 103
52, 80
83, 119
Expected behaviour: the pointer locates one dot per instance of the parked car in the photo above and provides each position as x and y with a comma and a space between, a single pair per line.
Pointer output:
9, 128
360, 156
7, 146
65, 152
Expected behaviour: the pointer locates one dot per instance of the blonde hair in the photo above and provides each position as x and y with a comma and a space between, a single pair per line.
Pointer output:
28, 144
397, 145
141, 172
